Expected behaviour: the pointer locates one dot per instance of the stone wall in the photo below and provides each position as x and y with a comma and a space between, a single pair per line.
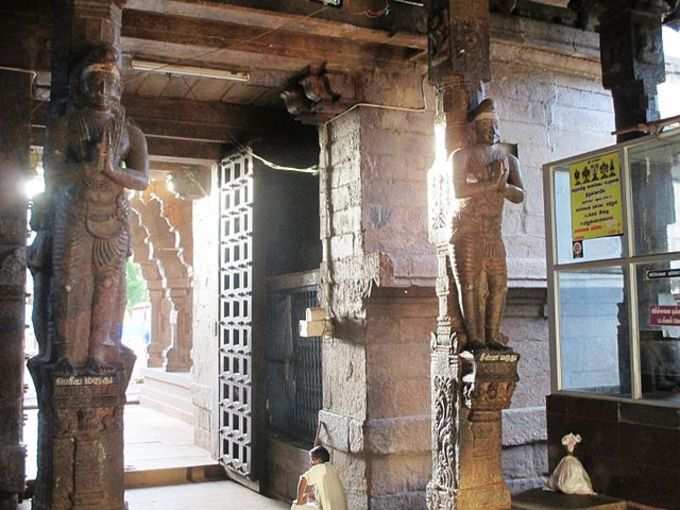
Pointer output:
205, 306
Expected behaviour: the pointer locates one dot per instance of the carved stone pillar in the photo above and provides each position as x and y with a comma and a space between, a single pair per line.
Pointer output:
177, 212
489, 380
78, 23
80, 439
176, 278
178, 357
160, 333
633, 65
15, 126
80, 424
459, 65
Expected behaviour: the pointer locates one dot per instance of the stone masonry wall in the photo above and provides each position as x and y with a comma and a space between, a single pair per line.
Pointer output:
204, 353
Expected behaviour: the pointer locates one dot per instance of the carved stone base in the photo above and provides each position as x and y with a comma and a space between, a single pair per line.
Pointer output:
489, 380
80, 437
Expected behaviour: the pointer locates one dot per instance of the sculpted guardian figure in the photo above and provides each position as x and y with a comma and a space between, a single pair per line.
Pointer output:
485, 175
93, 155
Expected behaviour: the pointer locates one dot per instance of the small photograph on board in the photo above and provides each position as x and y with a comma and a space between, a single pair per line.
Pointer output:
577, 249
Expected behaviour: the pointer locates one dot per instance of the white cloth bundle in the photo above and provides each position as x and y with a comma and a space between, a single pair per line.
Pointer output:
570, 477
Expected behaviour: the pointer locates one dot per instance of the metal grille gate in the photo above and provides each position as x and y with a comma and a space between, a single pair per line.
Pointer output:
236, 301
307, 363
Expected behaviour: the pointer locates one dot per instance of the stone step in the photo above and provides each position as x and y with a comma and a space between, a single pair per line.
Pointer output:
539, 499
173, 476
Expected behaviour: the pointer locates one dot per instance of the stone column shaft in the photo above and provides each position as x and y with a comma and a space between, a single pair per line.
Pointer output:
633, 64
160, 335
178, 357
15, 135
80, 435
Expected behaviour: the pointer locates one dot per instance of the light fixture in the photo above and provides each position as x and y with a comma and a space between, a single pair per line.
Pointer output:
196, 72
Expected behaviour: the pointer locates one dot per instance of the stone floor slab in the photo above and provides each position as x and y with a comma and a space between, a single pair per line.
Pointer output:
152, 441
197, 496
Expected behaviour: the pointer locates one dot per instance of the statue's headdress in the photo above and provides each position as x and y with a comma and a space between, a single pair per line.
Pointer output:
486, 110
101, 56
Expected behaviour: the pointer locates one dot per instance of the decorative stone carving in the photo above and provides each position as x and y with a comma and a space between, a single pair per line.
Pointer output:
488, 382
176, 273
142, 251
473, 372
485, 175
93, 155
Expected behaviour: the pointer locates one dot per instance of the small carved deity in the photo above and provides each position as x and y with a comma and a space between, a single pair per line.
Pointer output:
485, 175
93, 155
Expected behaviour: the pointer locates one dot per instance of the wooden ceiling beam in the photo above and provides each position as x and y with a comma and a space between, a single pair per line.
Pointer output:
270, 19
211, 122
210, 37
165, 149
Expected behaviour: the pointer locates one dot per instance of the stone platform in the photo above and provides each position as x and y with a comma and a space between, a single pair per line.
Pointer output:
539, 499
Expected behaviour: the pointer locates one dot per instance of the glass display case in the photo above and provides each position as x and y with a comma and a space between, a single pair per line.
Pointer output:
613, 250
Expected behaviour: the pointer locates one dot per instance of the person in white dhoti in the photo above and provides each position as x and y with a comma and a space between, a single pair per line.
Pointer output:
320, 486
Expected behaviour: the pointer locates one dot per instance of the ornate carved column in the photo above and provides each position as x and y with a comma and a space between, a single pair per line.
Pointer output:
160, 334
176, 278
83, 371
469, 389
633, 64
177, 211
15, 126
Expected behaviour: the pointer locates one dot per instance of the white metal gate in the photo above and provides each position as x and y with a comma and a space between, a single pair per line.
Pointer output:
236, 324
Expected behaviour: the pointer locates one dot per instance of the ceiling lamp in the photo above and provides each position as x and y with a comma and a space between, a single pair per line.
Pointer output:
196, 72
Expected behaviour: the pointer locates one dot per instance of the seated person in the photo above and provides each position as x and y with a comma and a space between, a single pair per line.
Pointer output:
322, 477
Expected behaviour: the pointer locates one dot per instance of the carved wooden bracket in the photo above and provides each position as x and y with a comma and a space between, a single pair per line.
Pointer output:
316, 97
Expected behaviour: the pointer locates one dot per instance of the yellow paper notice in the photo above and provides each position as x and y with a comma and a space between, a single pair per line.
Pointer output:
596, 209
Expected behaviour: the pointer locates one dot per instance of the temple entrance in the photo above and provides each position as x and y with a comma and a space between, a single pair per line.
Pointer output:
269, 377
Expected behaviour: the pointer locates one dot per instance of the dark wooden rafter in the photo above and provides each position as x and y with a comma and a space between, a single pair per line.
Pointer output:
195, 120
257, 15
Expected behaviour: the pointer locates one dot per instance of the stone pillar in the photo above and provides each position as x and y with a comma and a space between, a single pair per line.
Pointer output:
177, 211
15, 126
78, 23
466, 441
80, 439
80, 424
160, 334
178, 356
633, 65
489, 380
375, 416
176, 278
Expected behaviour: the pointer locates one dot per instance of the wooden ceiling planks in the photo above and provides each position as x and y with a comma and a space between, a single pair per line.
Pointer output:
210, 36
300, 16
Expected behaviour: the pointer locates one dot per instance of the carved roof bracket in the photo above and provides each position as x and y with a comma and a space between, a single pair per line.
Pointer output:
319, 95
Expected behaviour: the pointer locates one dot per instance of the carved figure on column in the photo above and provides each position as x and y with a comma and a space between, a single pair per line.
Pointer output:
485, 175
94, 154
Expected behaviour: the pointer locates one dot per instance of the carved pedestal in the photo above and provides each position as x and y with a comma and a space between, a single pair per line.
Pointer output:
445, 387
488, 382
80, 445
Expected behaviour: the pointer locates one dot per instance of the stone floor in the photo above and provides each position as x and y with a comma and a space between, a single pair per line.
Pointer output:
152, 441
198, 496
